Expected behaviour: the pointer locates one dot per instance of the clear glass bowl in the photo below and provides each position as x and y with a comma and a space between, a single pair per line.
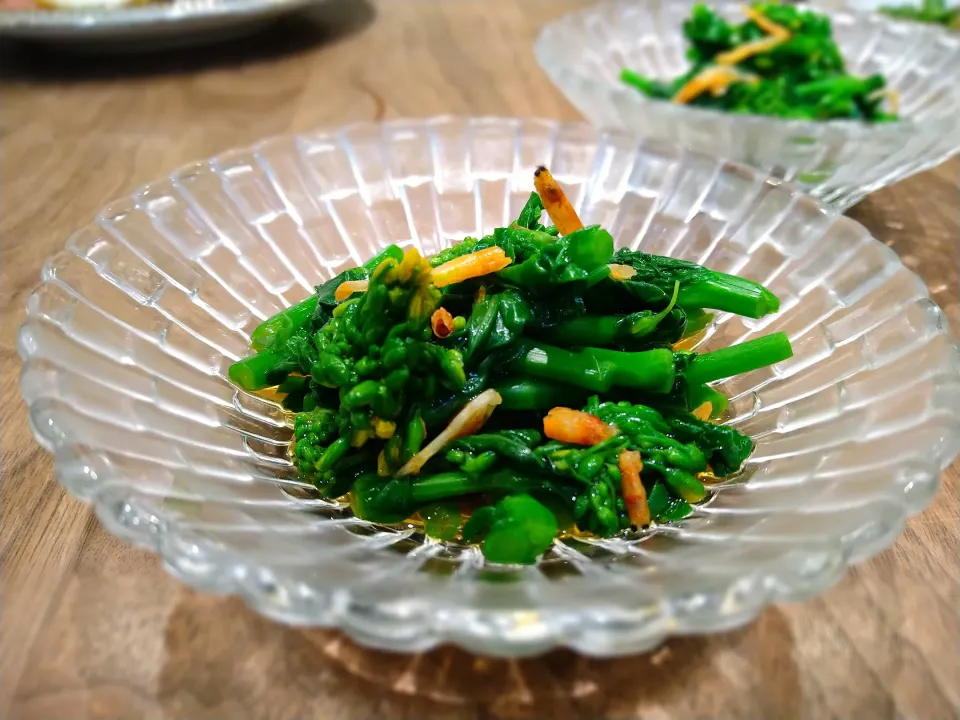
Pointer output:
838, 162
128, 338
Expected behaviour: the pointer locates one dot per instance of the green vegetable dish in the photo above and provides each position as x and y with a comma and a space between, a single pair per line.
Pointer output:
516, 386
935, 12
781, 62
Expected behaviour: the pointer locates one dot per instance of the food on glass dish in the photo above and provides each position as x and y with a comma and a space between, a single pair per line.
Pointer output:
514, 386
781, 62
72, 4
929, 11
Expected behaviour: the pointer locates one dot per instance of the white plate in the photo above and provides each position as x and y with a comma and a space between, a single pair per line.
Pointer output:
176, 22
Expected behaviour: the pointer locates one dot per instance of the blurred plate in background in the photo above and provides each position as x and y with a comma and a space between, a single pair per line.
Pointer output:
874, 5
140, 27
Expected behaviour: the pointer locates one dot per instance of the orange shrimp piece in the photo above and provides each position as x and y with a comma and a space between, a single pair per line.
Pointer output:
555, 202
766, 24
744, 52
777, 35
703, 411
442, 322
634, 494
714, 79
349, 287
465, 267
575, 427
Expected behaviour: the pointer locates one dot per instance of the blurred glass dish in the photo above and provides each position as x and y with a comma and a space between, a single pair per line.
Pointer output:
91, 4
878, 5
114, 25
929, 11
128, 339
837, 161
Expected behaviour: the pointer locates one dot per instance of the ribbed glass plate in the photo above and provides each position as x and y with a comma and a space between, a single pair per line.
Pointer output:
129, 336
838, 161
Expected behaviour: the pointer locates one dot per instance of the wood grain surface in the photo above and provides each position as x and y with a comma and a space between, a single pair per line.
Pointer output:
94, 629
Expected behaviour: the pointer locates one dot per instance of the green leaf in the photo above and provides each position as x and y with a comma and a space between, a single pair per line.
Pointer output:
522, 529
581, 256
530, 215
495, 322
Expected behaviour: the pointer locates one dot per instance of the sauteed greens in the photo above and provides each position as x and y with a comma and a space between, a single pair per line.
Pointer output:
782, 62
514, 386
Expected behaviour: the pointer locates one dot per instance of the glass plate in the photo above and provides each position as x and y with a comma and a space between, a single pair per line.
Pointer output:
174, 22
129, 336
838, 161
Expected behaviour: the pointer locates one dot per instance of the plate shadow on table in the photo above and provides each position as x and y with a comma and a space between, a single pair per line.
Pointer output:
305, 665
298, 32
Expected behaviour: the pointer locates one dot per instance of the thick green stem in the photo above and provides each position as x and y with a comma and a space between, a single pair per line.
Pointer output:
738, 359
729, 293
282, 325
454, 484
388, 501
525, 394
258, 371
592, 330
602, 330
649, 87
599, 370
839, 87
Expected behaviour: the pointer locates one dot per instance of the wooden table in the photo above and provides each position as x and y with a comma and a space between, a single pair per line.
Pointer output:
94, 629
